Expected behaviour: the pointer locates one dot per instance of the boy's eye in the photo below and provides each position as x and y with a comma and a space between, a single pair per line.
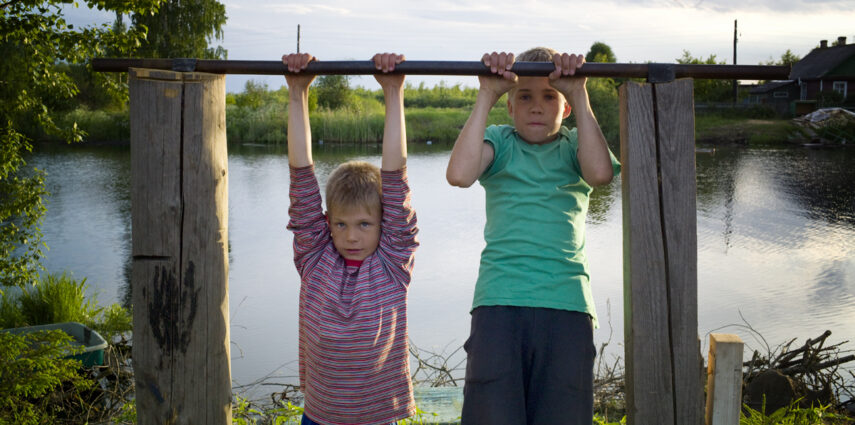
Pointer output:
525, 97
365, 224
339, 225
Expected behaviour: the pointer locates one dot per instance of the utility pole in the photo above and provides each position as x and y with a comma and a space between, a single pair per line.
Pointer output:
298, 39
735, 84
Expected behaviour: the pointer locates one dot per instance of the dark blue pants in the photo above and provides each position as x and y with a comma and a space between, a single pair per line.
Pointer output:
529, 366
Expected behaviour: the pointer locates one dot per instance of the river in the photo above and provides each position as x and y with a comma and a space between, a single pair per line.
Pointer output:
776, 246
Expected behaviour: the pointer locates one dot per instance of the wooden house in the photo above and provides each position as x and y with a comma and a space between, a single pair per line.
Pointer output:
826, 70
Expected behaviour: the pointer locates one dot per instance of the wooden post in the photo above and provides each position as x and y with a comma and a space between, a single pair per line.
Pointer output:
180, 241
663, 364
724, 380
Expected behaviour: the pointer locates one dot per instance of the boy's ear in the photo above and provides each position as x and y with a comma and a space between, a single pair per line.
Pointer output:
510, 107
567, 109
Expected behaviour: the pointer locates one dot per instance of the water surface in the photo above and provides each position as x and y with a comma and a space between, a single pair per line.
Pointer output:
776, 245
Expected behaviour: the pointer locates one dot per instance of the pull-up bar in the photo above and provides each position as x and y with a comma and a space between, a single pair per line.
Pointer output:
654, 72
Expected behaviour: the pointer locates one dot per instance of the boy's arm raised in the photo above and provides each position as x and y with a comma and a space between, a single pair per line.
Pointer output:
470, 155
593, 152
299, 131
394, 130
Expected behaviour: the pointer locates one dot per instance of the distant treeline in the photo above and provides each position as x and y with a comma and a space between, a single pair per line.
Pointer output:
343, 114
436, 113
356, 115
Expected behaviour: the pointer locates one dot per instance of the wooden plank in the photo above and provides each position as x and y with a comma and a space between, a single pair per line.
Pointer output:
205, 247
179, 278
155, 124
154, 283
676, 143
155, 113
650, 398
724, 380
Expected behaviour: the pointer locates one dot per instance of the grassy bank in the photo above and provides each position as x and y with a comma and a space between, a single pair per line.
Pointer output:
718, 130
269, 124
40, 386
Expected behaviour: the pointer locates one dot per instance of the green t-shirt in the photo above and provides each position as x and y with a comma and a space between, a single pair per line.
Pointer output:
537, 202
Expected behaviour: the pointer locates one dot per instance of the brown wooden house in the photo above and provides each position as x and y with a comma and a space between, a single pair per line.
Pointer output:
778, 95
826, 70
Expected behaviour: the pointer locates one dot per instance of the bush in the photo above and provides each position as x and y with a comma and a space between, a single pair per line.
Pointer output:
99, 125
333, 91
267, 124
32, 366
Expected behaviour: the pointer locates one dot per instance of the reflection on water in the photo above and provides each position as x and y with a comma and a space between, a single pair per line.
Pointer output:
775, 244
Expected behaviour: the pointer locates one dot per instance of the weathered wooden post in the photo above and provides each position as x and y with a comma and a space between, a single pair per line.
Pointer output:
724, 380
663, 363
180, 241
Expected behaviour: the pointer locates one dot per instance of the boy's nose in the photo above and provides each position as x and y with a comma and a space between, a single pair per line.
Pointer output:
351, 235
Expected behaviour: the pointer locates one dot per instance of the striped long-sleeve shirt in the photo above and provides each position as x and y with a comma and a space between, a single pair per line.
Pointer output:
354, 360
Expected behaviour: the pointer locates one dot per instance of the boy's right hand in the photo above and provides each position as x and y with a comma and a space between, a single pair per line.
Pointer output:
500, 64
297, 62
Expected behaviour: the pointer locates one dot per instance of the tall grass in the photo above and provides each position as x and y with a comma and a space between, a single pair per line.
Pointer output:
57, 298
260, 115
265, 124
60, 298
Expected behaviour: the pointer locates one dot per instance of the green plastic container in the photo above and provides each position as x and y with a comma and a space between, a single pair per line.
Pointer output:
93, 344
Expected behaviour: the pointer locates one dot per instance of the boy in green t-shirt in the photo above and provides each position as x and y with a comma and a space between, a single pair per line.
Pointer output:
530, 353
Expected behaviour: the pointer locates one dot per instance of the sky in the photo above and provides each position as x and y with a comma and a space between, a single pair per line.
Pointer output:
636, 30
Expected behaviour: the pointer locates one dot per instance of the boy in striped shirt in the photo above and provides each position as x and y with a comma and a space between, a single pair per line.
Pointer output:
355, 264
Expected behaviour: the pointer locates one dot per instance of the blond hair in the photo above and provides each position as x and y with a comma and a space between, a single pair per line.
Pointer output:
354, 184
536, 54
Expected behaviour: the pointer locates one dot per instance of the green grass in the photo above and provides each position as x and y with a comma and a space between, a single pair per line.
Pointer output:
56, 298
60, 298
436, 114
721, 129
794, 415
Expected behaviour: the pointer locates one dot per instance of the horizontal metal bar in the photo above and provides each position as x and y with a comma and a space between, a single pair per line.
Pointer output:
590, 69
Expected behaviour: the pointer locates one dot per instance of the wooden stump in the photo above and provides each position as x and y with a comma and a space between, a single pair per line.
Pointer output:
663, 363
724, 380
180, 244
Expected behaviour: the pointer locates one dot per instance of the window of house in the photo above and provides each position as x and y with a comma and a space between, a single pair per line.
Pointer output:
780, 95
839, 87
803, 92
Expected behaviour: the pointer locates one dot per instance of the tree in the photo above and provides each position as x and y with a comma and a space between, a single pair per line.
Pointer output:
600, 52
333, 91
708, 90
34, 38
182, 29
787, 58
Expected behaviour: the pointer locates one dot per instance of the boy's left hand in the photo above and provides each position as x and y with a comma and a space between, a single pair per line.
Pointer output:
566, 66
386, 62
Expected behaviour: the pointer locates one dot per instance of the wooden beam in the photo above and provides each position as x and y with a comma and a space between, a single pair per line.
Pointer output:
417, 67
663, 367
675, 120
649, 391
724, 380
179, 237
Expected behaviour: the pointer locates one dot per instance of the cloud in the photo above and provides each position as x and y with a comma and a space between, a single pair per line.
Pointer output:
791, 6
306, 9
